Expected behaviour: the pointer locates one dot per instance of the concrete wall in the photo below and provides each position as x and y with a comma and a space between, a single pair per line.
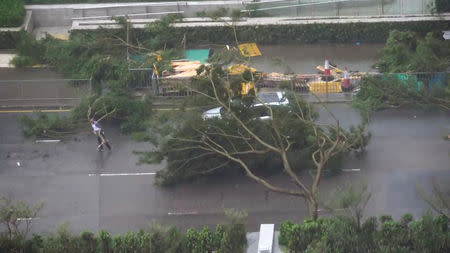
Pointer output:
52, 16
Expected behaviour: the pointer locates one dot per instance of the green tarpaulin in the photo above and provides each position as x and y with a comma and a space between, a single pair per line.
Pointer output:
200, 55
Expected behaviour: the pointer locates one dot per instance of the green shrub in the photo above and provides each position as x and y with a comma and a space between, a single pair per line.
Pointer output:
428, 234
10, 40
285, 232
11, 13
442, 6
229, 238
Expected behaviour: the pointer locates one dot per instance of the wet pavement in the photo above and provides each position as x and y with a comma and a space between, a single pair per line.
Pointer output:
39, 87
75, 181
303, 59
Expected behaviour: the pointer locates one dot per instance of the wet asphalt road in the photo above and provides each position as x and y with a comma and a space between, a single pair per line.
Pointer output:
39, 87
404, 151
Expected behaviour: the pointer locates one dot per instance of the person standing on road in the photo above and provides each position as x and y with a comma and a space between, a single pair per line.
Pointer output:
101, 139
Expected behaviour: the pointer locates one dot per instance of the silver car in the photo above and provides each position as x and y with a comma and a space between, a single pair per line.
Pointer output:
263, 99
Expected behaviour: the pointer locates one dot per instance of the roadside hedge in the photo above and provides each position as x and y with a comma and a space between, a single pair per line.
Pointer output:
282, 34
428, 234
308, 33
12, 13
225, 239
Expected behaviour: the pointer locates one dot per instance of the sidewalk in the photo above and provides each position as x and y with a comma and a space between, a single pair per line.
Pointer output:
253, 239
5, 60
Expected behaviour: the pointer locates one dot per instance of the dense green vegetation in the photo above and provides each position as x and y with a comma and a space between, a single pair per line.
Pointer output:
442, 6
15, 217
101, 57
309, 33
11, 13
10, 40
404, 91
186, 161
428, 234
226, 239
409, 53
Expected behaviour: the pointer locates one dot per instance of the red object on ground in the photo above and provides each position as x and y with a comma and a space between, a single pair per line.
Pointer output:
346, 83
327, 67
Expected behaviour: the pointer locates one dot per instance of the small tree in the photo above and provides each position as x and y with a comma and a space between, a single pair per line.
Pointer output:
17, 217
349, 202
439, 199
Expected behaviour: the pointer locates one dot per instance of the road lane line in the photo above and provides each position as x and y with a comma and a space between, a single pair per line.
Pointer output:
330, 210
124, 174
351, 170
47, 141
30, 111
28, 219
181, 213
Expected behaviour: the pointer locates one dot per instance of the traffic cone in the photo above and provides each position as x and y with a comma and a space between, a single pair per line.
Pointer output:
326, 67
346, 84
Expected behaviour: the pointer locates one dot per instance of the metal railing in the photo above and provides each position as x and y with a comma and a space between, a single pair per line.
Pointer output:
301, 84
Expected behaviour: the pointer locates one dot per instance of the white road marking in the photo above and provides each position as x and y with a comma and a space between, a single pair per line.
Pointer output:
124, 174
351, 170
182, 213
28, 219
47, 141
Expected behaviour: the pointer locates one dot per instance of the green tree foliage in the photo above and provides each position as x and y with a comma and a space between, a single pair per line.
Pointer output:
404, 59
159, 35
403, 90
49, 125
409, 52
101, 57
11, 13
428, 234
288, 141
185, 162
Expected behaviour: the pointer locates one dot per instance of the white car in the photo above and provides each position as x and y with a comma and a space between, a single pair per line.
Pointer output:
264, 98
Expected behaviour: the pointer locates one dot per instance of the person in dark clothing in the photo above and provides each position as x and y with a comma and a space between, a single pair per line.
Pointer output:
101, 139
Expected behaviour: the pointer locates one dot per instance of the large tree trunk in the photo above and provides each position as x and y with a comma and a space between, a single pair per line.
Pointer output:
313, 208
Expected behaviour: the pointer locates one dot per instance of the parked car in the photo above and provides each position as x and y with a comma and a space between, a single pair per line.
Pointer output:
259, 107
